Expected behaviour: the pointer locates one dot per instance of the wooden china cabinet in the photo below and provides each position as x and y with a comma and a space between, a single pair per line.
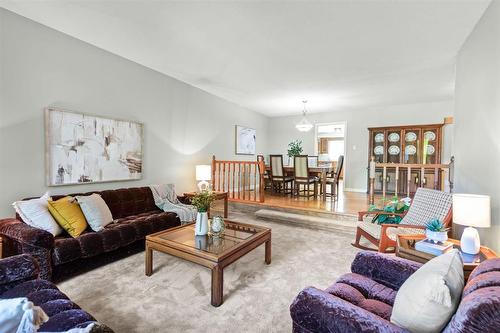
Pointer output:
416, 144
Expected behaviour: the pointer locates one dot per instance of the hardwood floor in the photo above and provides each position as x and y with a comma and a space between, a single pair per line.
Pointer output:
347, 202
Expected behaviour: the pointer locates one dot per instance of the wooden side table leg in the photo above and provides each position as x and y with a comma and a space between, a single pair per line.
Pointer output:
268, 252
226, 205
149, 260
323, 184
217, 285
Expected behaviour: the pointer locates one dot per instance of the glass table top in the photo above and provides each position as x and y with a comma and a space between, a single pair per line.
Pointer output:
233, 235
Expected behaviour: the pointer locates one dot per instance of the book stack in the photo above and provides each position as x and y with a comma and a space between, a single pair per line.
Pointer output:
436, 249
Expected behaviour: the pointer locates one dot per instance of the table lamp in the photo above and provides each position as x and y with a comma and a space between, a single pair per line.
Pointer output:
203, 174
472, 211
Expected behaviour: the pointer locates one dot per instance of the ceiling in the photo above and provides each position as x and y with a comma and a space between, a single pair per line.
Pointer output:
269, 56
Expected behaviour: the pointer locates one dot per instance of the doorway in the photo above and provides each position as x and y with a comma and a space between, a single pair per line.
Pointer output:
330, 143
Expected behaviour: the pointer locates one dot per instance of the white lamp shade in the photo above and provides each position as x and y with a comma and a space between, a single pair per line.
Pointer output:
203, 172
472, 210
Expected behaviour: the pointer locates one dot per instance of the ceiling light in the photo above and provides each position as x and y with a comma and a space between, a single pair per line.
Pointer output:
304, 125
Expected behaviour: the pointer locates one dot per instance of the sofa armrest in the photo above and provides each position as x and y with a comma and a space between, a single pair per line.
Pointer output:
17, 269
387, 269
23, 233
314, 310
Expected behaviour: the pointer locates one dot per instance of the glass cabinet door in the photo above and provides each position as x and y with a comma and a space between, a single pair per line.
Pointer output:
411, 146
378, 139
394, 146
429, 146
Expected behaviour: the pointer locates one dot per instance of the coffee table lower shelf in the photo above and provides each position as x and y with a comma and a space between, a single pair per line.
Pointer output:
213, 253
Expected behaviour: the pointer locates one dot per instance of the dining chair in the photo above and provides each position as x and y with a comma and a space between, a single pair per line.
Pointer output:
279, 178
312, 160
333, 181
302, 177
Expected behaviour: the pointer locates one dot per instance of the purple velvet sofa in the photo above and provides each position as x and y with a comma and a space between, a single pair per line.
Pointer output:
19, 278
135, 216
362, 301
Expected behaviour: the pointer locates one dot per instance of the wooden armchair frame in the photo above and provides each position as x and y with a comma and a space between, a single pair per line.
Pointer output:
385, 242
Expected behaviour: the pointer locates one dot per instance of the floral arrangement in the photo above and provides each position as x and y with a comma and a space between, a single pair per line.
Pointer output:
436, 225
392, 206
295, 148
202, 201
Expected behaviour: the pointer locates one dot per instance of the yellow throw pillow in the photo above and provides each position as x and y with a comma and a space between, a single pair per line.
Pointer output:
68, 215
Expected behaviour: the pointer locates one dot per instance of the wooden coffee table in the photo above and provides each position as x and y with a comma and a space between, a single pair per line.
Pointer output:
211, 252
406, 249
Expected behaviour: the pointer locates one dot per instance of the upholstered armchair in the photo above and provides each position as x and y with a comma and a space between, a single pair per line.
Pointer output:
19, 278
427, 204
362, 301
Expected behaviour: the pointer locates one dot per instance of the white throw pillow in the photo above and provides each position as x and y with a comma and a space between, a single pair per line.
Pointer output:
96, 211
430, 296
18, 315
35, 213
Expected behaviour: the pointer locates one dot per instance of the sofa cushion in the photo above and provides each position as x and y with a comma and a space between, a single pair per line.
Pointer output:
25, 288
118, 234
129, 201
66, 320
51, 308
365, 293
66, 250
480, 305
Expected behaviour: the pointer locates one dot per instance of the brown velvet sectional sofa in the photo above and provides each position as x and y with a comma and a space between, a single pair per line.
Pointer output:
135, 216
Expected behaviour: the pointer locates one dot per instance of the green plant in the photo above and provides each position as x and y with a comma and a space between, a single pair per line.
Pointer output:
202, 201
435, 225
295, 148
392, 206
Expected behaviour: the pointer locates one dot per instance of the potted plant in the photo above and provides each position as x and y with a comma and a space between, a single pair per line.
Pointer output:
436, 231
294, 149
393, 206
202, 201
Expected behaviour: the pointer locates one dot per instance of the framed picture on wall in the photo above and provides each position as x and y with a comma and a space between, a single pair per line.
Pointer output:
82, 149
245, 140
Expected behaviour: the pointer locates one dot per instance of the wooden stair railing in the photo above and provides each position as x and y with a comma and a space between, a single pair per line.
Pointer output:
243, 180
438, 169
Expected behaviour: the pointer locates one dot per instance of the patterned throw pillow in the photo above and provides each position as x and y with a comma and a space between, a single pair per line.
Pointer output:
69, 215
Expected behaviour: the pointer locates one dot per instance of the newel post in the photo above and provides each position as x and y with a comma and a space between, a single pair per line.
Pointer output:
213, 172
262, 184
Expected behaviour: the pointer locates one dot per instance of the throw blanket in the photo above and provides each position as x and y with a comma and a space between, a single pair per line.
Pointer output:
166, 200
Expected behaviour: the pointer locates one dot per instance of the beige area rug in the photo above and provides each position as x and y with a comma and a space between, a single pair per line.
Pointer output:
176, 298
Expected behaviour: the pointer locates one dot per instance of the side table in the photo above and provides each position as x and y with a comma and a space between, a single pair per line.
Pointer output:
405, 248
218, 196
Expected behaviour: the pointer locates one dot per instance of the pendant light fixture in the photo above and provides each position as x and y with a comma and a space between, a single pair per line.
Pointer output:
304, 125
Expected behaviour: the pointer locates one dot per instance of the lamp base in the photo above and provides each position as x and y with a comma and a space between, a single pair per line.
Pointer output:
469, 243
204, 186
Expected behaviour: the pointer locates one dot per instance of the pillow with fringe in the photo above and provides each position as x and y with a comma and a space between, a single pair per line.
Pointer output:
428, 299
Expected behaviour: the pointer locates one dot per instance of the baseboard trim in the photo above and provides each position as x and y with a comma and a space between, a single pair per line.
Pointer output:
359, 190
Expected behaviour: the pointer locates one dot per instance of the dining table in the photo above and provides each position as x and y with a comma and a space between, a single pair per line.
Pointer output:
321, 170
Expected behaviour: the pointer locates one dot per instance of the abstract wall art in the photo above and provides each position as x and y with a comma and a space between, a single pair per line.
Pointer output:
84, 148
245, 140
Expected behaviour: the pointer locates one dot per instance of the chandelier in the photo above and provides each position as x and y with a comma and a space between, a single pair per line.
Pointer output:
304, 125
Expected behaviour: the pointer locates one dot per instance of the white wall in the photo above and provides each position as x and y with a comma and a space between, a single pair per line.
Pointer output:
477, 117
282, 131
41, 67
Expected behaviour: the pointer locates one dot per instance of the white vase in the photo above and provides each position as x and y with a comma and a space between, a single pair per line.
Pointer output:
201, 226
436, 236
